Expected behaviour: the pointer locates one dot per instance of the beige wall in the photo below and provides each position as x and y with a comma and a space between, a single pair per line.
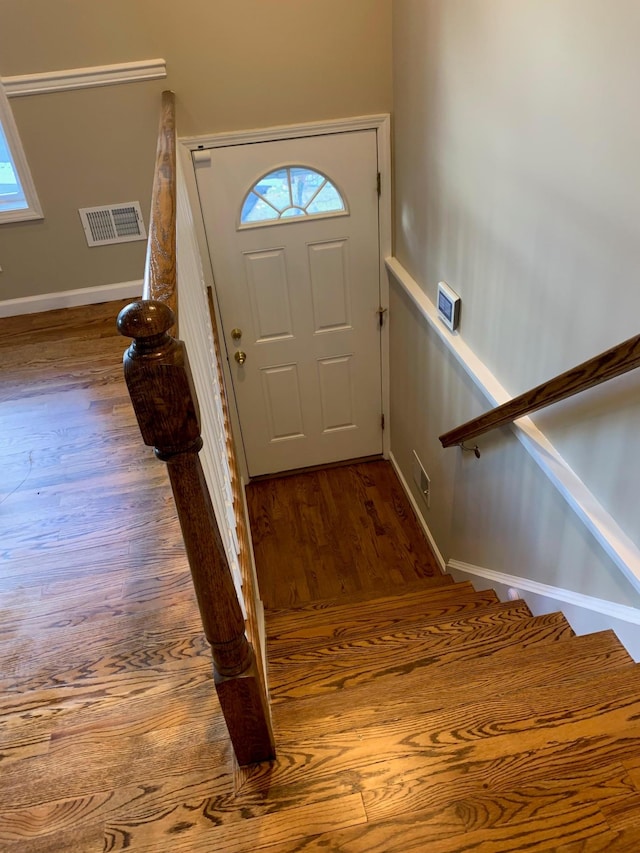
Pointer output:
233, 64
517, 181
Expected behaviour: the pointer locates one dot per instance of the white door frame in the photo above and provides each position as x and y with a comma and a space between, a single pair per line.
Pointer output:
382, 125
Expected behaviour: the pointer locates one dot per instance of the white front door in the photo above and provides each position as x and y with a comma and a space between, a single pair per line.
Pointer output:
292, 228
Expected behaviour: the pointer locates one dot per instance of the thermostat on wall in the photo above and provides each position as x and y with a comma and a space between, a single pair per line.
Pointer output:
448, 306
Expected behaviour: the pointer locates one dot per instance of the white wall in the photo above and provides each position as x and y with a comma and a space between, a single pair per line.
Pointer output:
517, 181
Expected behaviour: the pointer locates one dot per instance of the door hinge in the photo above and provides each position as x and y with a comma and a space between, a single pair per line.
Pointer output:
379, 183
381, 312
382, 421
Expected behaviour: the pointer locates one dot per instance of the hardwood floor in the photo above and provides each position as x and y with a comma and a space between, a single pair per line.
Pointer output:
335, 532
411, 714
108, 709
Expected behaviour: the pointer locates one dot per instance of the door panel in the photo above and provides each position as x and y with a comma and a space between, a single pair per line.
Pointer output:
336, 393
269, 294
282, 401
304, 291
330, 285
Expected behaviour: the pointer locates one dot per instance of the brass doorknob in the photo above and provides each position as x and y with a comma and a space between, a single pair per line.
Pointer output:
240, 357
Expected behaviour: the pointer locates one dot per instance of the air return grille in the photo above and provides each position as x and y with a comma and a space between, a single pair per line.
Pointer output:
115, 223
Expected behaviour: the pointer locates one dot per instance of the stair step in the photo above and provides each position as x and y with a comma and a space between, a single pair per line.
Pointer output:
541, 716
310, 624
581, 664
336, 609
436, 586
332, 668
403, 619
453, 755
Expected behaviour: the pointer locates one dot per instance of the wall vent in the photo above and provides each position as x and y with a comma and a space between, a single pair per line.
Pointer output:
113, 223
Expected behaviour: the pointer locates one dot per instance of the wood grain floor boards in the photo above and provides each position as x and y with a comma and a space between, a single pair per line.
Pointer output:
71, 699
195, 834
523, 820
633, 766
141, 804
623, 813
56, 776
380, 545
410, 713
606, 840
21, 746
220, 807
82, 838
102, 684
115, 659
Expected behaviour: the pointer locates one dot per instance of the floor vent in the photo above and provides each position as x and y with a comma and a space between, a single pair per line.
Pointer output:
113, 223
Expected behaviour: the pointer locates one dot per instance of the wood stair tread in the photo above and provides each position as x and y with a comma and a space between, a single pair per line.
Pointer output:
504, 744
583, 666
427, 587
328, 669
465, 612
333, 611
539, 716
501, 672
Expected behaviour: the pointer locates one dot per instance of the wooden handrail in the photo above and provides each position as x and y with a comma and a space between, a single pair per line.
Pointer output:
614, 362
163, 395
160, 266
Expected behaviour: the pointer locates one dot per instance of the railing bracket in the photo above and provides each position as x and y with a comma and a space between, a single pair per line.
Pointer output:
475, 449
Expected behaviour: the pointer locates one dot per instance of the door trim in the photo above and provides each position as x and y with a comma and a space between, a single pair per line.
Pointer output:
381, 123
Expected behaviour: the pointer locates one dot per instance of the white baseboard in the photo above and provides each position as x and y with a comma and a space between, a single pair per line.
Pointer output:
418, 512
584, 613
70, 298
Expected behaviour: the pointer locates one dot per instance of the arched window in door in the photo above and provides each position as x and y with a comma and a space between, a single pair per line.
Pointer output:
288, 193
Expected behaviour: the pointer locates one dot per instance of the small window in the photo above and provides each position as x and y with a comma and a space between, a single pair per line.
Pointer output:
18, 199
289, 193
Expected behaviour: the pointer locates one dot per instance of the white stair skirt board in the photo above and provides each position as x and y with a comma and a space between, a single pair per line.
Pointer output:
418, 513
70, 298
604, 528
584, 613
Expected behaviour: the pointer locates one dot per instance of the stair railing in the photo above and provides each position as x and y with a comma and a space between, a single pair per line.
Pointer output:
164, 399
613, 362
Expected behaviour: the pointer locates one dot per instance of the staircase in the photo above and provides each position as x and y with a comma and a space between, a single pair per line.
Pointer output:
442, 719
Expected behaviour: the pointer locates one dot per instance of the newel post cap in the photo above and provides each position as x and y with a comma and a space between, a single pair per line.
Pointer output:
145, 319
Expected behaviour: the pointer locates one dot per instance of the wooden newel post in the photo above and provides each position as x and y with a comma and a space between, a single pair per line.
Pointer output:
163, 395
